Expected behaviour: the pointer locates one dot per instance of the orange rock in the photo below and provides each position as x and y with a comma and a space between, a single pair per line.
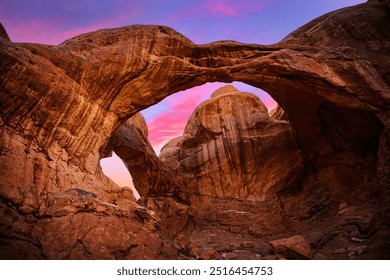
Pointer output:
61, 105
227, 149
294, 247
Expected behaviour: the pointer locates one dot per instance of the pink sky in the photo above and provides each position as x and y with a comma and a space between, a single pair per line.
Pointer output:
233, 8
171, 120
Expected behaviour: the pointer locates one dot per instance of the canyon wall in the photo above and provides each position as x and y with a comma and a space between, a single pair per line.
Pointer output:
60, 108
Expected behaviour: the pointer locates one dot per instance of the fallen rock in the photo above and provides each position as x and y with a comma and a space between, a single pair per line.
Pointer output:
359, 250
294, 247
211, 254
340, 251
355, 239
186, 246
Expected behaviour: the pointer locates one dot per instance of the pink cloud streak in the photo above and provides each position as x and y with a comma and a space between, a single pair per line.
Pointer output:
231, 8
219, 7
170, 123
54, 31
38, 32
216, 8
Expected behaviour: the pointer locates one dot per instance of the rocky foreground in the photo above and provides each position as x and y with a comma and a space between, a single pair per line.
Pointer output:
310, 180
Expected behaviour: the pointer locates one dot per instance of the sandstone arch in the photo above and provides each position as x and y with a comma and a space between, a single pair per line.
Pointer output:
118, 72
59, 105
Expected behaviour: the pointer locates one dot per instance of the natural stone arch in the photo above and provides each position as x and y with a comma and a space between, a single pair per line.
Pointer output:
59, 105
115, 73
152, 177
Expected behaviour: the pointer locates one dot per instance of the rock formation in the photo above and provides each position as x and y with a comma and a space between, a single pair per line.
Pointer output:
61, 105
229, 146
130, 142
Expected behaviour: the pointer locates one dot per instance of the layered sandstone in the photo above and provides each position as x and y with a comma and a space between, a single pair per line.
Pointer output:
130, 142
61, 105
231, 148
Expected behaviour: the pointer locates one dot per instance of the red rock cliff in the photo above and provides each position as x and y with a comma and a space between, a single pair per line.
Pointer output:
60, 106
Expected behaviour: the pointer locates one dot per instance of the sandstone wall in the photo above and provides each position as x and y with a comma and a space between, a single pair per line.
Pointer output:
60, 106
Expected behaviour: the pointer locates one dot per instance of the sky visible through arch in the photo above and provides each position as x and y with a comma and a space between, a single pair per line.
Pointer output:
167, 119
202, 21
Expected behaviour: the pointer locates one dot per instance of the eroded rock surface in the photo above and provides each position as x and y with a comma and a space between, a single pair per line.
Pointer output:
231, 148
60, 106
130, 142
294, 247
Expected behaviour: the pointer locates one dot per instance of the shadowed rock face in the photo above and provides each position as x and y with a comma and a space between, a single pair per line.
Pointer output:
60, 106
150, 176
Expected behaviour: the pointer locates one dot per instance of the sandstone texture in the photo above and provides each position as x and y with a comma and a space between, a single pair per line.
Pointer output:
228, 149
130, 142
294, 247
312, 176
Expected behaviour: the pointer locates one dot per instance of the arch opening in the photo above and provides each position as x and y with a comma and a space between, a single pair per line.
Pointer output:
114, 168
167, 119
134, 142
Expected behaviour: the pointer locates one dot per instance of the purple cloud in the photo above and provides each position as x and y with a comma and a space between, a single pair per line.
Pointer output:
232, 8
